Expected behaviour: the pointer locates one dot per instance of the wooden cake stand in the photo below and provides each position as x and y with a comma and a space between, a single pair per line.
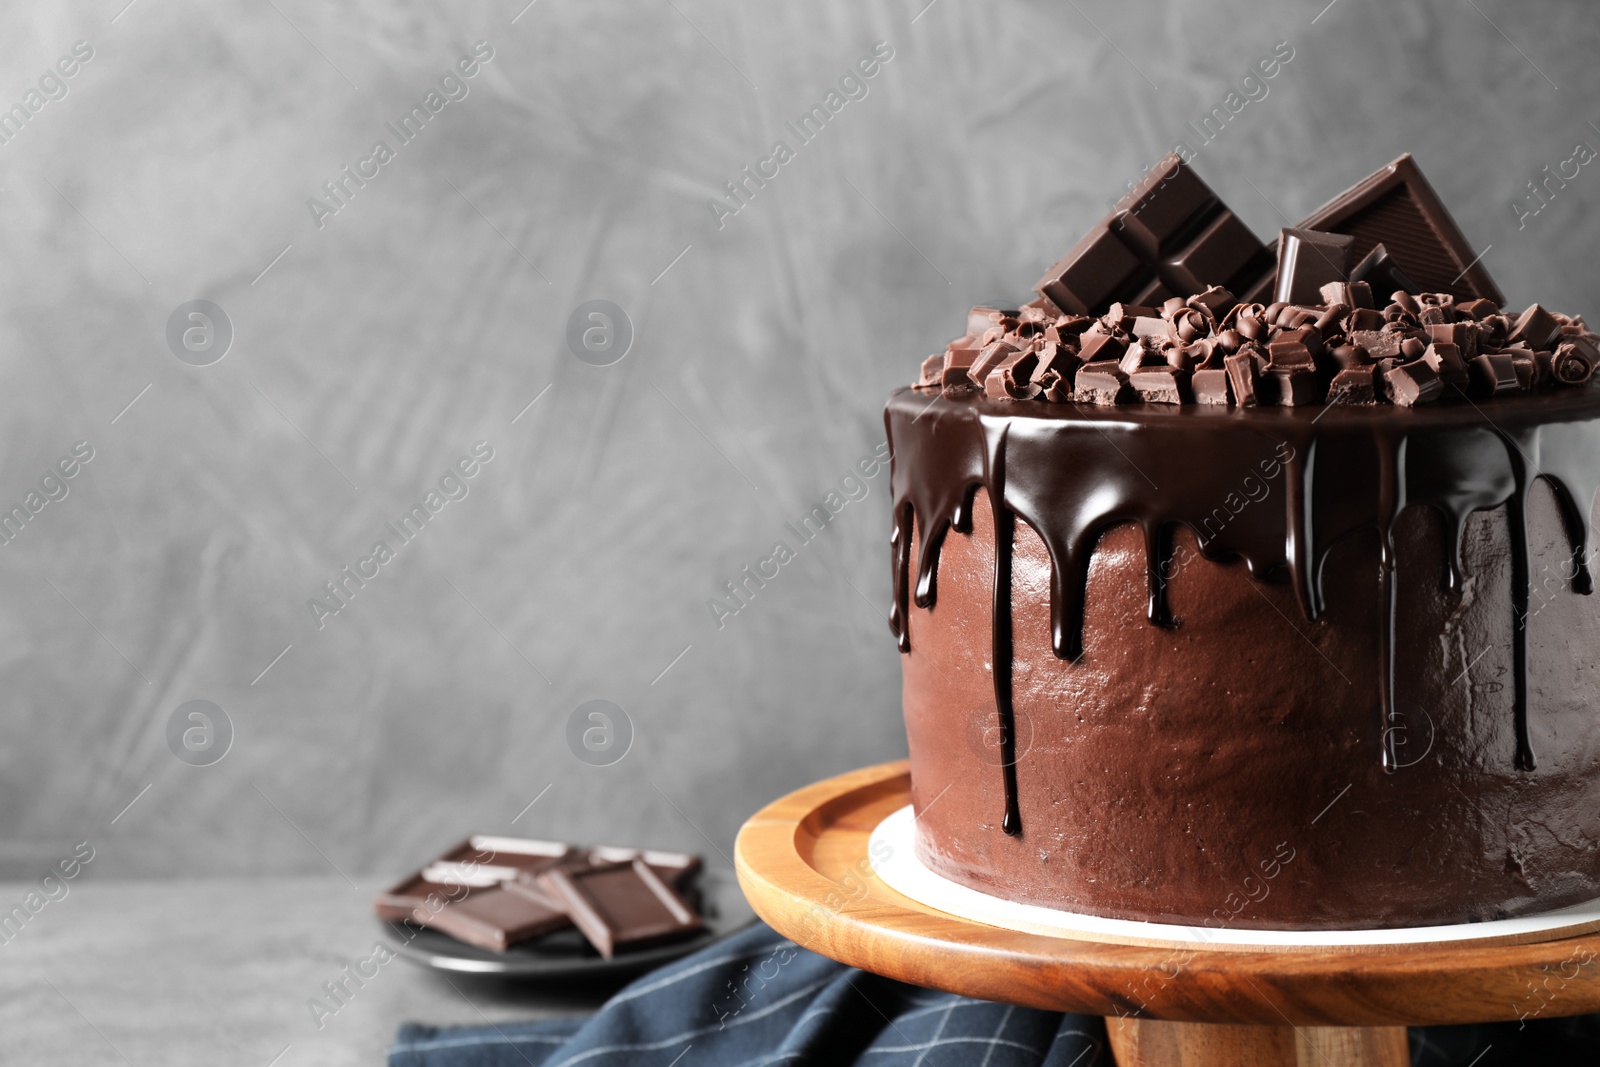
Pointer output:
803, 863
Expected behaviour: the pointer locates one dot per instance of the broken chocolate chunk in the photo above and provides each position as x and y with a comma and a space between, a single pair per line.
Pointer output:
1445, 359
1464, 335
1100, 383
1162, 384
1297, 385
1307, 261
1294, 348
1535, 327
1101, 346
1245, 369
1059, 360
1495, 373
956, 382
1210, 386
1355, 384
1409, 384
990, 358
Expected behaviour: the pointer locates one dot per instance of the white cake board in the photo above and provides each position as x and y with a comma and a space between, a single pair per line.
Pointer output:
905, 873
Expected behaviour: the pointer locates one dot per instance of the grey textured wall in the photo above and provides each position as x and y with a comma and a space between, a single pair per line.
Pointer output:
372, 351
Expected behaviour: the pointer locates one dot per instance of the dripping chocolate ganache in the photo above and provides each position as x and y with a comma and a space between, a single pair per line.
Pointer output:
1303, 643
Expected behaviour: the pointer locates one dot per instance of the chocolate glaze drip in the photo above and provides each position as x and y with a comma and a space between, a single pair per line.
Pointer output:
1073, 471
1005, 525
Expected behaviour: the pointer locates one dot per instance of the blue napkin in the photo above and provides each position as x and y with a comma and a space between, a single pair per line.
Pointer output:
756, 999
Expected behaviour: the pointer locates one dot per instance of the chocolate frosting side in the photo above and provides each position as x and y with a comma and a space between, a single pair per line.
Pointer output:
1073, 472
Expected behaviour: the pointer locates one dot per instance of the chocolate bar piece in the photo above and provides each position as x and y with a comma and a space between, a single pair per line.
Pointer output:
494, 918
1170, 236
1398, 208
620, 906
479, 862
1380, 273
678, 868
1308, 260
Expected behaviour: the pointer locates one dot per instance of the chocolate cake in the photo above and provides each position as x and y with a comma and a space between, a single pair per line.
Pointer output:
1259, 615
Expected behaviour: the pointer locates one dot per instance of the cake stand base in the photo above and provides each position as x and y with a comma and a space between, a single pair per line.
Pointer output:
1154, 1043
804, 864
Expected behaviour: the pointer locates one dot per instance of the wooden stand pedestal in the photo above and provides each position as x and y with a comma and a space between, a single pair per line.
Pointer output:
1154, 1043
803, 864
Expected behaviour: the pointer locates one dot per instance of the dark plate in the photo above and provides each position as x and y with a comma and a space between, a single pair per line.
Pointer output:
565, 954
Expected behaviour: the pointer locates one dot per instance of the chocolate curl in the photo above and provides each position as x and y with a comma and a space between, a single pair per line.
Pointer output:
1570, 366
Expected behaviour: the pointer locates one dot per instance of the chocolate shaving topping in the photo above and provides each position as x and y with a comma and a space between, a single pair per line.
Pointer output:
1158, 303
1571, 365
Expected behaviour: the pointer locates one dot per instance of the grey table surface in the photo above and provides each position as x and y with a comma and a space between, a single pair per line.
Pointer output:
221, 971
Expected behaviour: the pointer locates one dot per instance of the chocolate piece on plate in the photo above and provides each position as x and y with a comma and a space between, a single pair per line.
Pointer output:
494, 918
620, 906
678, 868
480, 862
1399, 209
1170, 236
401, 899
1309, 260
